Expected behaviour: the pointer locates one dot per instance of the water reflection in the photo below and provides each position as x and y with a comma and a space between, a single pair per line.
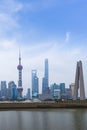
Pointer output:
80, 119
61, 119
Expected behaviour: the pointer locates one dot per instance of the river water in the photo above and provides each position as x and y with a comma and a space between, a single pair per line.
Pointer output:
55, 119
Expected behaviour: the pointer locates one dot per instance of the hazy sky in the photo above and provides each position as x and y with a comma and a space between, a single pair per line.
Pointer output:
53, 29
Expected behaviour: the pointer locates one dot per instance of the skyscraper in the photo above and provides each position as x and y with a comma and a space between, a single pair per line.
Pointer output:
28, 93
3, 89
45, 80
79, 82
53, 88
20, 88
12, 90
62, 88
35, 84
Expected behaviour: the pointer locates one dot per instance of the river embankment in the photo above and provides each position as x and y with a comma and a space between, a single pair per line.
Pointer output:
45, 105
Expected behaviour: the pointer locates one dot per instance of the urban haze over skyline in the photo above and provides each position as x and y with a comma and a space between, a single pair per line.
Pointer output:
50, 29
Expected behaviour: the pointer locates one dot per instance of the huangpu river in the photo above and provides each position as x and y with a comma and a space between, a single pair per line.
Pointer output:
55, 119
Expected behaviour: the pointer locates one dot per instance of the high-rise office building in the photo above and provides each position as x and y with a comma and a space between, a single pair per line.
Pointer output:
68, 93
72, 86
45, 80
0, 94
20, 88
54, 87
79, 82
3, 89
62, 88
12, 90
35, 84
28, 93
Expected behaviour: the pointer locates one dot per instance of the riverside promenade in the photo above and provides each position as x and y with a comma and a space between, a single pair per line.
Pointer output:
43, 105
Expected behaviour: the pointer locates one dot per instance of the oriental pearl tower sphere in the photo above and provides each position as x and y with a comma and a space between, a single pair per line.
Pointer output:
20, 88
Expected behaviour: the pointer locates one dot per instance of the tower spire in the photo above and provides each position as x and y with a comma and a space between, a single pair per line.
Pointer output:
19, 57
20, 67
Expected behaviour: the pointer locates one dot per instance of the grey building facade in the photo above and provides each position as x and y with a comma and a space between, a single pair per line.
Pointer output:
79, 82
45, 80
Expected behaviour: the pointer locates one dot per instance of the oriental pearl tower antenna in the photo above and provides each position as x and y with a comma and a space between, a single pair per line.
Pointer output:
20, 67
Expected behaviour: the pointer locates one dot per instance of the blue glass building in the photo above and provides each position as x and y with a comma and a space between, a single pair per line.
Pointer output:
12, 91
35, 84
53, 87
3, 89
62, 88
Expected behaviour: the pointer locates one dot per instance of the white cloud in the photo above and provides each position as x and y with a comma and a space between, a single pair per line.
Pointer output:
8, 15
10, 6
8, 55
67, 36
6, 45
7, 23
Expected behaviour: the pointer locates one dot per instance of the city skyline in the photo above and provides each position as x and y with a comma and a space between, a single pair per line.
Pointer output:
50, 29
45, 87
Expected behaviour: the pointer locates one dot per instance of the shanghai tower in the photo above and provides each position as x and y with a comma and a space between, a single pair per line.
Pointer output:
45, 80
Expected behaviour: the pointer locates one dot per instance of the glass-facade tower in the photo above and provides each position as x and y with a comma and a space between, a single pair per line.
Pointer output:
45, 80
35, 84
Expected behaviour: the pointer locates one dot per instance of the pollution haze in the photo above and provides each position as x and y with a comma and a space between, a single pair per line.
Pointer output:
53, 29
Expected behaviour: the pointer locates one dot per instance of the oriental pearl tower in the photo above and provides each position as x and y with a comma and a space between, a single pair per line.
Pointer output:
20, 88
